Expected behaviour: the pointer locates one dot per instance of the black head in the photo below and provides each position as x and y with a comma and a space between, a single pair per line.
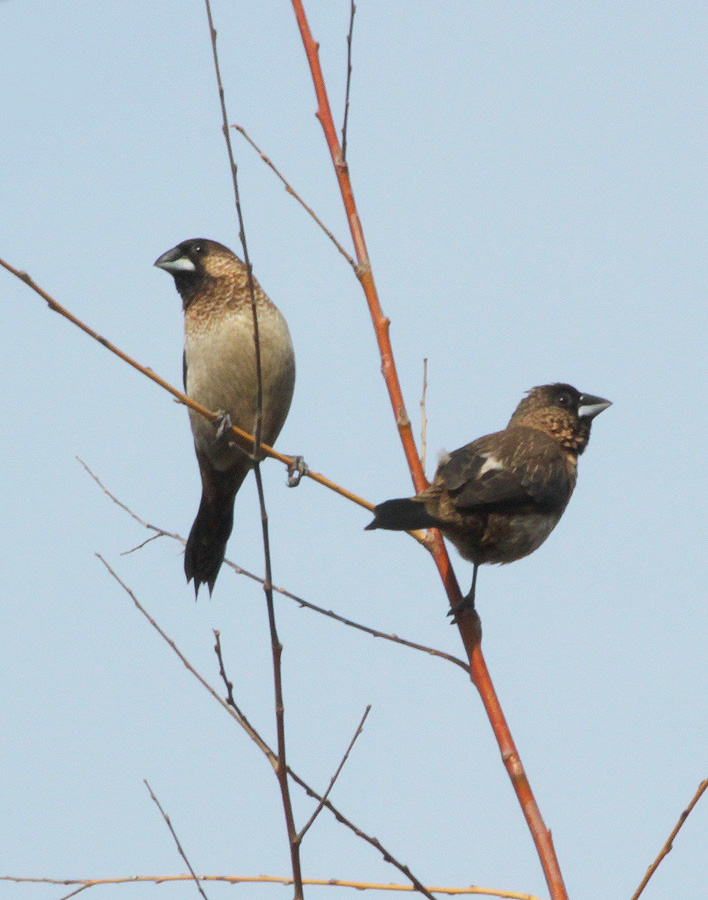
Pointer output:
195, 262
562, 411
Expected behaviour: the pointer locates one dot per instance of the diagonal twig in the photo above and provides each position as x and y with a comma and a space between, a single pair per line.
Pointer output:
320, 805
176, 839
670, 840
245, 438
236, 714
293, 193
394, 638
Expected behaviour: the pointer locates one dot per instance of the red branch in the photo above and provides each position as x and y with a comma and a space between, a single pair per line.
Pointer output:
469, 625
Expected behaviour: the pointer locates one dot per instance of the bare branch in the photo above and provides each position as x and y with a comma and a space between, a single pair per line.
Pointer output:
74, 893
222, 670
423, 416
293, 193
273, 879
176, 839
238, 717
326, 794
231, 709
285, 593
349, 79
670, 840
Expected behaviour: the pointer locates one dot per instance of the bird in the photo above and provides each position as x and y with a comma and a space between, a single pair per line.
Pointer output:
220, 373
498, 498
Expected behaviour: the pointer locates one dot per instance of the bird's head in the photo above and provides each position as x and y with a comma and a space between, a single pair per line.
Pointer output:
561, 411
196, 263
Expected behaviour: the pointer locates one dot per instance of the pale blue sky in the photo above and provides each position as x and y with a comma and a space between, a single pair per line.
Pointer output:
533, 184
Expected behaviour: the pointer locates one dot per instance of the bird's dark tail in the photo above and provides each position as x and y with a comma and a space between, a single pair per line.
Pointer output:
402, 515
206, 545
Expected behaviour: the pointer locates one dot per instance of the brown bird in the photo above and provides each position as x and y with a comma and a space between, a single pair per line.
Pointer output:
220, 373
498, 498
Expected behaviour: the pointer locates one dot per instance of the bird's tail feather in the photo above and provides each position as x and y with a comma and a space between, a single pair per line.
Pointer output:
206, 545
402, 515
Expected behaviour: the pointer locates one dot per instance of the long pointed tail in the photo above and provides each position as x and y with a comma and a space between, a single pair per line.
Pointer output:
211, 530
402, 515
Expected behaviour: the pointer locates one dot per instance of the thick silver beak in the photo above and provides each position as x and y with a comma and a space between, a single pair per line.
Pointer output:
590, 406
174, 260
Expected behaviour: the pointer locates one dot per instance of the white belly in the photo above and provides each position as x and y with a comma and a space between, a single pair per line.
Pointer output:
221, 375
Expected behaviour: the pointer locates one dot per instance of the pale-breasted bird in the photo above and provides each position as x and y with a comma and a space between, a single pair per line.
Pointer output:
220, 373
498, 498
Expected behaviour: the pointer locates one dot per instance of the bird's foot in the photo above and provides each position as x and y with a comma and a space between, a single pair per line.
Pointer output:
297, 468
223, 425
464, 607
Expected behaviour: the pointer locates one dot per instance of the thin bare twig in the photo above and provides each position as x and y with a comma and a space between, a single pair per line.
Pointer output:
236, 714
222, 670
670, 840
349, 79
320, 805
74, 893
276, 647
423, 416
293, 193
394, 638
272, 879
232, 709
180, 849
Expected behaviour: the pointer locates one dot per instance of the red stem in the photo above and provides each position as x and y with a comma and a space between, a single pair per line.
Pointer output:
469, 624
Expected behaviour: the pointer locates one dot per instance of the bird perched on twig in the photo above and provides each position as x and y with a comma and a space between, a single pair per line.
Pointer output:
220, 373
498, 498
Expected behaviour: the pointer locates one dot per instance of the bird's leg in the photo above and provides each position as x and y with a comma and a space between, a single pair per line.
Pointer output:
467, 603
297, 468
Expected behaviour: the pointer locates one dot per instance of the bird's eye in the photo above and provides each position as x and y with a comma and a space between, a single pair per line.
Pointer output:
564, 399
198, 248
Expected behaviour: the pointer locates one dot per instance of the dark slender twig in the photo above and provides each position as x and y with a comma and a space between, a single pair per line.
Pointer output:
320, 805
74, 893
276, 646
232, 709
349, 79
141, 545
180, 849
293, 193
670, 840
423, 416
242, 235
277, 654
222, 670
285, 593
236, 714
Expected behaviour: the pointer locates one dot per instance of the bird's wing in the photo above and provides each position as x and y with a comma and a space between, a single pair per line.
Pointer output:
184, 369
513, 466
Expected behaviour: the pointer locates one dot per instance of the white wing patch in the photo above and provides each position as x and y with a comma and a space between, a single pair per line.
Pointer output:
490, 464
